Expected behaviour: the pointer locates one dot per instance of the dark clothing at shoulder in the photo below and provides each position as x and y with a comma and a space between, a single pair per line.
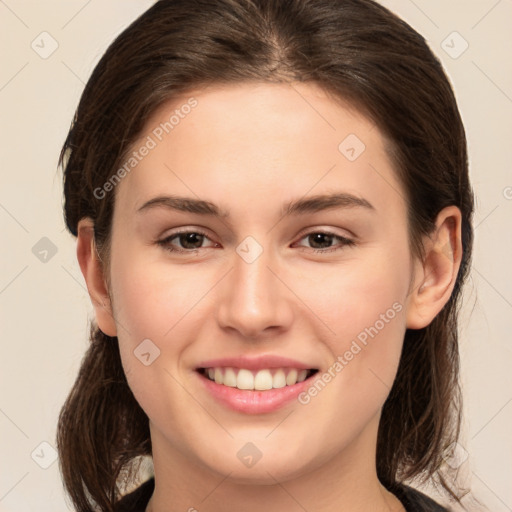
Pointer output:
415, 501
138, 500
412, 499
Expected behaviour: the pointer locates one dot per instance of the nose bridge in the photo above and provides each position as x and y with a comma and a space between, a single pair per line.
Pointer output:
253, 299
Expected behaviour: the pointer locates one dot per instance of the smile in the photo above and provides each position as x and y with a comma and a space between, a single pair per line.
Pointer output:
257, 390
261, 380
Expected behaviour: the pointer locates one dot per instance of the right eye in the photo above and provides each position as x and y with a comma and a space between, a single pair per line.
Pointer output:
189, 241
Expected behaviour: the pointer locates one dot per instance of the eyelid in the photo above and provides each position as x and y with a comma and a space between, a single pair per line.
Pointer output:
183, 231
349, 235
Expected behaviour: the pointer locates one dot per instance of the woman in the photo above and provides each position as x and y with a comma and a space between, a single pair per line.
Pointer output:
273, 218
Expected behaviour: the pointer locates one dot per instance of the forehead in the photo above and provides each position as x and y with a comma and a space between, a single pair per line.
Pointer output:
247, 142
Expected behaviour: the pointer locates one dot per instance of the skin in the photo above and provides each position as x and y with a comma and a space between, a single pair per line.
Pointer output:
250, 148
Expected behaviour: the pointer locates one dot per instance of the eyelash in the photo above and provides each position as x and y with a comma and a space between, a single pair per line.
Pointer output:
345, 242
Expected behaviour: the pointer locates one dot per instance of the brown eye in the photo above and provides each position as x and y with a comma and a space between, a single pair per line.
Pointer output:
322, 241
191, 240
318, 240
185, 241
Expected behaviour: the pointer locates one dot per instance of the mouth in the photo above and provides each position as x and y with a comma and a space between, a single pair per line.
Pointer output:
255, 391
256, 380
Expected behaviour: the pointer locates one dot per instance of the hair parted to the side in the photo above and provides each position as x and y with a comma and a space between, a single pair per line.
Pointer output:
357, 51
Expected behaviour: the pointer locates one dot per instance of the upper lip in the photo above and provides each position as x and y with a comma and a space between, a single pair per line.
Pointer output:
256, 363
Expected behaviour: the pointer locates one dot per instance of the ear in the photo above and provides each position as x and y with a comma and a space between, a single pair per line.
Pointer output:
92, 270
435, 276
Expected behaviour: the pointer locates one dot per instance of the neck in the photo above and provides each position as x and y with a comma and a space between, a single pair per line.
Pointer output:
347, 481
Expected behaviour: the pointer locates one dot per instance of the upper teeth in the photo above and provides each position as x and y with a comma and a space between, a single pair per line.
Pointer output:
261, 380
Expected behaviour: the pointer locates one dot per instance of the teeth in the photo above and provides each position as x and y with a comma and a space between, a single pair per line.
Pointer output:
291, 378
260, 381
263, 380
302, 375
245, 380
230, 378
279, 379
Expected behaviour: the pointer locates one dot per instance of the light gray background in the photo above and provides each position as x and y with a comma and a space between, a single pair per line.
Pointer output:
44, 304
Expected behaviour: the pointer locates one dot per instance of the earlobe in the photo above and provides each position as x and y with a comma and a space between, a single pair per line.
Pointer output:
92, 271
436, 274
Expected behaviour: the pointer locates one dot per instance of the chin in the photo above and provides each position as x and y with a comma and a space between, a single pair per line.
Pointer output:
248, 465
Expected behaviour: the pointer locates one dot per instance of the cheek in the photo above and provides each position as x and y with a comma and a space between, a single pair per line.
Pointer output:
364, 309
150, 298
152, 303
355, 296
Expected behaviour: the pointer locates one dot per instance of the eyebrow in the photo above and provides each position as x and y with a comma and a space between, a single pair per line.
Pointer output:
311, 204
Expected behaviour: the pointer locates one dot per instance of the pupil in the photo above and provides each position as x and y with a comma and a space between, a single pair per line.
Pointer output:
191, 240
318, 238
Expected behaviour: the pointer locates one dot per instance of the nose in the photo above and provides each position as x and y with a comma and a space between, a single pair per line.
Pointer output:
253, 299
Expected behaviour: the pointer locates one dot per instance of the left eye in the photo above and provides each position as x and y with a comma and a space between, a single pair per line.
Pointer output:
189, 241
319, 239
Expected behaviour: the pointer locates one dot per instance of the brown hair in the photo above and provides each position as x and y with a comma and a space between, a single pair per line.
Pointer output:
357, 51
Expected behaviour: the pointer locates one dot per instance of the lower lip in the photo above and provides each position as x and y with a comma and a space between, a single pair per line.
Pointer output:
254, 402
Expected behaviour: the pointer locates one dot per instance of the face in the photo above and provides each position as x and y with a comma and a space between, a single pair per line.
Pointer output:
292, 272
